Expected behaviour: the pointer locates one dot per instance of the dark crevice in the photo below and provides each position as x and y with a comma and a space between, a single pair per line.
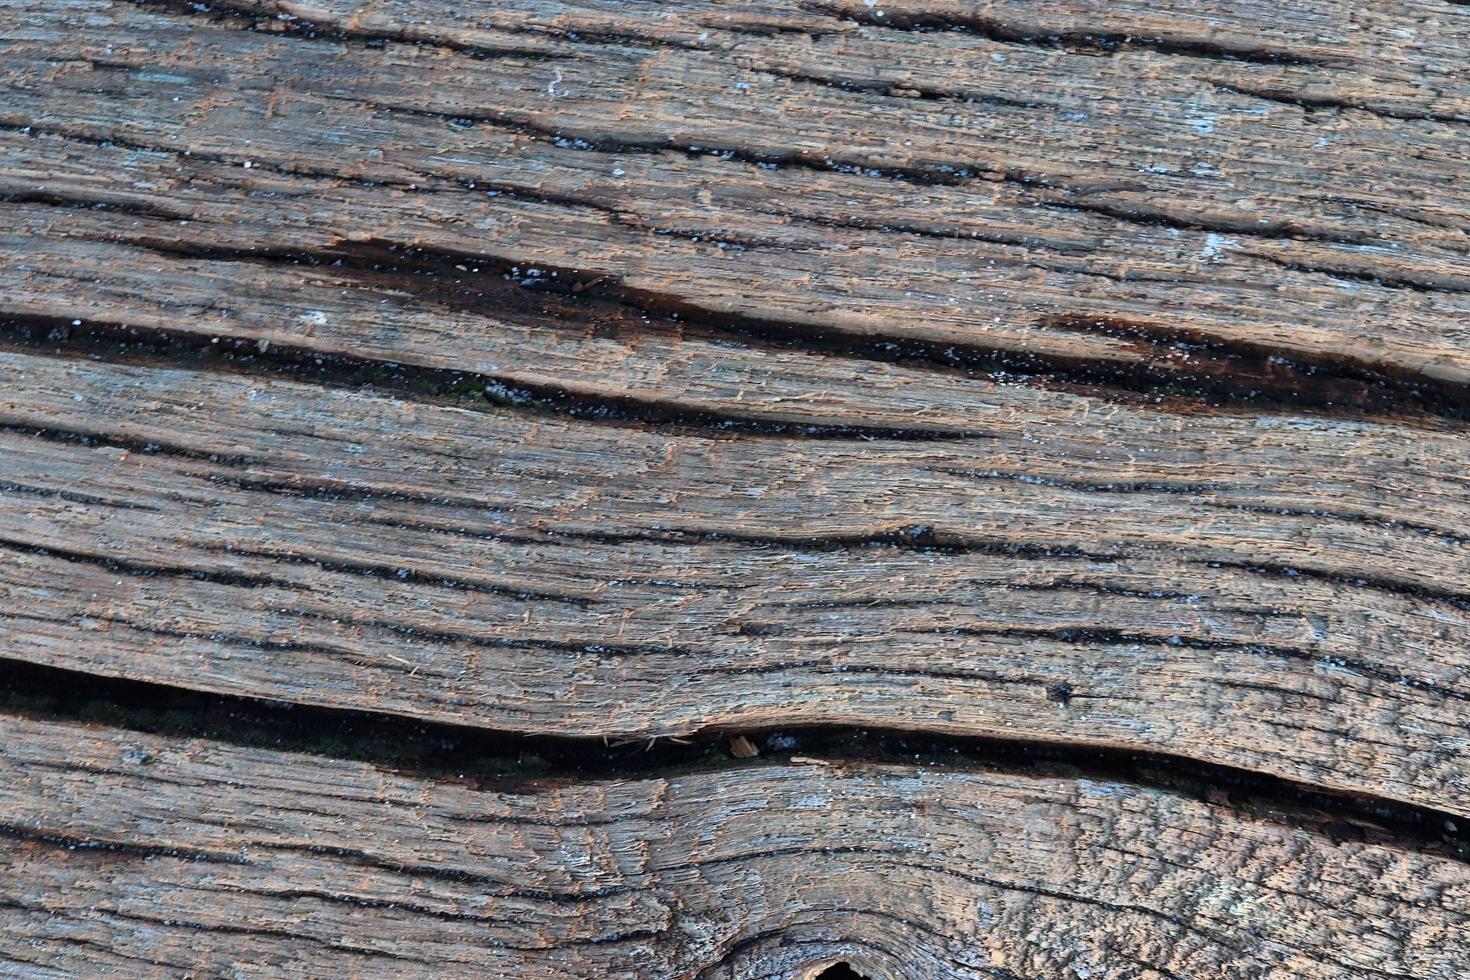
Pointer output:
201, 929
852, 222
1366, 520
293, 895
1177, 363
248, 16
425, 183
58, 199
497, 886
1285, 96
929, 174
45, 959
1087, 486
1418, 216
1176, 368
919, 538
185, 153
1186, 925
1421, 284
903, 89
1202, 491
364, 569
121, 343
244, 16
937, 174
1103, 588
370, 569
1238, 371
1173, 361
148, 570
916, 538
622, 216
1057, 195
602, 36
1289, 693
48, 836
491, 759
150, 963
194, 637
810, 30
423, 634
51, 432
1060, 197
926, 175
346, 491
1150, 216
1098, 41
72, 496
1095, 636
827, 666
1410, 590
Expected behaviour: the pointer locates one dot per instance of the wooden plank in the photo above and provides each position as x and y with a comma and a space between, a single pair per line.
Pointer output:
1093, 378
370, 145
188, 855
261, 536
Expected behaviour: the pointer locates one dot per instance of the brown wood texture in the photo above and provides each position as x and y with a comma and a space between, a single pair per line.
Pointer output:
335, 868
1089, 377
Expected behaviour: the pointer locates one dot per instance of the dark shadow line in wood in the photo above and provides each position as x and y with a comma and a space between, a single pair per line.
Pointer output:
123, 343
237, 15
497, 759
1098, 41
1178, 369
1281, 95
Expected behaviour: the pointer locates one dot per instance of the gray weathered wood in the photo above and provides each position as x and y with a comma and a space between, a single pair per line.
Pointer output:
129, 853
533, 574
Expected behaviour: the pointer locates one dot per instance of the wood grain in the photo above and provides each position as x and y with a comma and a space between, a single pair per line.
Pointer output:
988, 219
186, 855
269, 537
1093, 376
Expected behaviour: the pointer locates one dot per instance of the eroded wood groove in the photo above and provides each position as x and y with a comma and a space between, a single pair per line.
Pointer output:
606, 913
125, 343
1076, 40
1179, 369
485, 558
508, 760
240, 15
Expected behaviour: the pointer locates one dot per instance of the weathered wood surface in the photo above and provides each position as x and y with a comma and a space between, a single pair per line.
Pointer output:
1079, 374
338, 868
533, 574
1038, 190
